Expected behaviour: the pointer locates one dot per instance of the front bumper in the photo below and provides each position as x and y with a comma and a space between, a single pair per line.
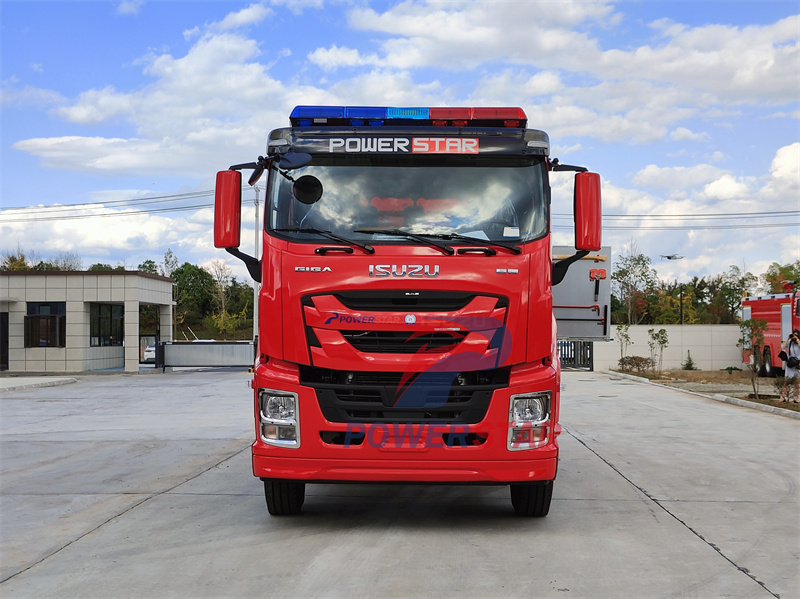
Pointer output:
400, 452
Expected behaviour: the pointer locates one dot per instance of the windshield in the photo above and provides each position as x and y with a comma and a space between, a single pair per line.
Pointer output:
494, 199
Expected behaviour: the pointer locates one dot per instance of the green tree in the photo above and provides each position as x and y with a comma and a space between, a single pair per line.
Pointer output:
148, 266
241, 298
730, 287
222, 283
227, 324
170, 264
624, 338
100, 266
61, 261
149, 315
18, 260
658, 341
194, 294
672, 303
775, 276
632, 279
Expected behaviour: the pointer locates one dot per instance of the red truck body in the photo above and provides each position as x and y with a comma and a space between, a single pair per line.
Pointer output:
406, 314
781, 311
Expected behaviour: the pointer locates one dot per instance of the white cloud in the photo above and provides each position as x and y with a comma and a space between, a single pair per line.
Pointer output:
335, 57
726, 187
97, 105
718, 63
190, 33
214, 101
129, 7
781, 189
719, 156
544, 83
298, 6
755, 63
684, 134
385, 87
213, 105
465, 34
557, 150
786, 164
251, 15
677, 177
10, 95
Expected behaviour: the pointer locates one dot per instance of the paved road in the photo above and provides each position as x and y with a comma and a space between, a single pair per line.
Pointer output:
139, 486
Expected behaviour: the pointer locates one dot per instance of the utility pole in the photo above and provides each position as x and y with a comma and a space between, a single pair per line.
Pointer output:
256, 283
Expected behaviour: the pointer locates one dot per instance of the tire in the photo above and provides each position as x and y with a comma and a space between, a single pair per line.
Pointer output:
532, 500
767, 364
284, 497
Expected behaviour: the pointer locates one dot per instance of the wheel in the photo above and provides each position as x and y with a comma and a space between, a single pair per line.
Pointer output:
532, 499
767, 365
284, 497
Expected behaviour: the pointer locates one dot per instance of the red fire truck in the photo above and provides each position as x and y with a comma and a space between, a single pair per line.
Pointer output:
406, 329
782, 313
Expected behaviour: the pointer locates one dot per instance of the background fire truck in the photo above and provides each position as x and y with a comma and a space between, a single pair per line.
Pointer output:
782, 313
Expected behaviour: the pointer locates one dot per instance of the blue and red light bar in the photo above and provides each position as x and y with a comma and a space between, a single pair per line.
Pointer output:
377, 116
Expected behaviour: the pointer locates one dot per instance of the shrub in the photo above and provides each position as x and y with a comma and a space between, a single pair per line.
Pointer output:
635, 363
782, 382
689, 363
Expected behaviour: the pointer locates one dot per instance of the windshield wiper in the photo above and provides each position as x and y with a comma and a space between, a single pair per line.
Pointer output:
367, 248
422, 238
514, 249
430, 237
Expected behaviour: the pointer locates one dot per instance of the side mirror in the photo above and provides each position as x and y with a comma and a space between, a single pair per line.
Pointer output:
228, 209
588, 215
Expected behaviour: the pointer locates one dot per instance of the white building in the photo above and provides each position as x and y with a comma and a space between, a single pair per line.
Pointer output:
64, 321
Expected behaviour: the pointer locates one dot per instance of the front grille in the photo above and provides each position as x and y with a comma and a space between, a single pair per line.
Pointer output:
389, 397
400, 300
403, 342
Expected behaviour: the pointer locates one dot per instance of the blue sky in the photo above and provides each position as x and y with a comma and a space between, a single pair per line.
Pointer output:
688, 110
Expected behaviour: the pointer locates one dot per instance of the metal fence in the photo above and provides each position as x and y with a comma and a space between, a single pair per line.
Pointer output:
577, 355
205, 353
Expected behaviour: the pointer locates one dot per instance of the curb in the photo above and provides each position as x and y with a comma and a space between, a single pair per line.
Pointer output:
716, 397
53, 383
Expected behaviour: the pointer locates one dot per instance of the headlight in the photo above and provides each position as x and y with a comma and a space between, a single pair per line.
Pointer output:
279, 407
530, 408
528, 414
279, 418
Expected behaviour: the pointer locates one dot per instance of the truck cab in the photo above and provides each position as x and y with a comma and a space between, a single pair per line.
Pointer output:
406, 330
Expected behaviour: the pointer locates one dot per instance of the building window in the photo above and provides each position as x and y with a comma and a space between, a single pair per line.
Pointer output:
46, 324
106, 324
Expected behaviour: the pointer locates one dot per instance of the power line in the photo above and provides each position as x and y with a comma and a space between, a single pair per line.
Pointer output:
651, 225
730, 216
106, 215
689, 227
131, 201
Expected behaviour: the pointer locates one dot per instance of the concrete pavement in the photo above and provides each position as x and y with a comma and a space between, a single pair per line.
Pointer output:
127, 486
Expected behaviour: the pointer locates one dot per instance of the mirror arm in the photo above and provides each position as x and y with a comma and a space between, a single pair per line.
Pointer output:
253, 264
555, 165
560, 268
